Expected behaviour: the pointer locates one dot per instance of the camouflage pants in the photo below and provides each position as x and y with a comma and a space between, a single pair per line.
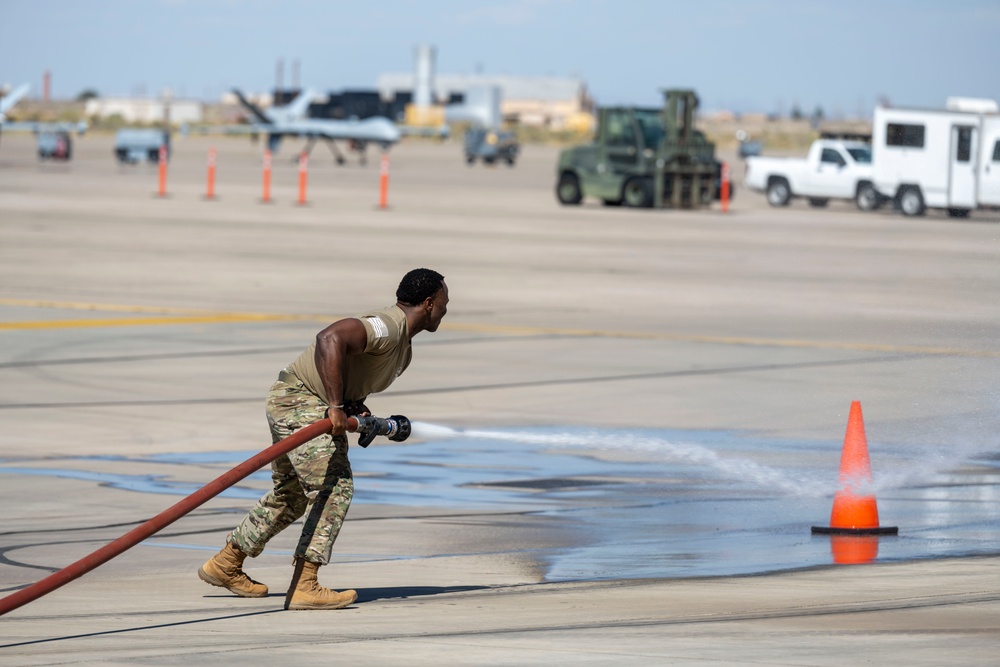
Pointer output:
314, 480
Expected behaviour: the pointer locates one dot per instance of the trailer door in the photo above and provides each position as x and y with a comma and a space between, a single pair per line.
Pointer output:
962, 177
989, 165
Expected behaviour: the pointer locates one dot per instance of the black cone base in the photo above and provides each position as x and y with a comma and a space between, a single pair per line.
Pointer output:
879, 530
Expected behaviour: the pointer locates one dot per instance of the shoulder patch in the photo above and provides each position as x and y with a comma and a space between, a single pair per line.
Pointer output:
378, 326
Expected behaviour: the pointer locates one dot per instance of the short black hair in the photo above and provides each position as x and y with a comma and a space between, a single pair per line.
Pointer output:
418, 285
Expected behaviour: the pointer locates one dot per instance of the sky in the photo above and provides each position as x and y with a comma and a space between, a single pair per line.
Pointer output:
771, 56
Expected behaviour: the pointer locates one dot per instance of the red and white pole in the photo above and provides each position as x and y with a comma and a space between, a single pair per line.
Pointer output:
383, 197
724, 195
266, 195
303, 177
162, 191
210, 184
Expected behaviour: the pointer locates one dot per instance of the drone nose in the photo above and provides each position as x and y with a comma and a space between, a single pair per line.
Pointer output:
392, 133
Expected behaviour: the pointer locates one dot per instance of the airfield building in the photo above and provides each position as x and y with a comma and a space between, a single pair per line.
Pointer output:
555, 103
145, 110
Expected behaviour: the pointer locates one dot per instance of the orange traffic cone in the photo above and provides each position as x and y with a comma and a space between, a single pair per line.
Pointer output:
853, 512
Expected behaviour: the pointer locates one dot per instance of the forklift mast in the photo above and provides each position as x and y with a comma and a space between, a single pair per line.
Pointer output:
686, 166
678, 114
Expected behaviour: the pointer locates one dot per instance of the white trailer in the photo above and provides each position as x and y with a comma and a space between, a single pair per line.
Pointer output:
947, 158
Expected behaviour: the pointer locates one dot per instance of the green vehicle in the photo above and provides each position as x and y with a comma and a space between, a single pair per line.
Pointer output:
644, 157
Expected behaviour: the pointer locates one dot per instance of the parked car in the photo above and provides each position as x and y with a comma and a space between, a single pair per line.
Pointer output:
490, 146
55, 145
132, 146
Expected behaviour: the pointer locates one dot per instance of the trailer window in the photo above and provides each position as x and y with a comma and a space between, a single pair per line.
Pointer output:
963, 152
897, 134
996, 151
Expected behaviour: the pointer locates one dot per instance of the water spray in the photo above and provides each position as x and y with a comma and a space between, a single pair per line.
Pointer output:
799, 483
737, 468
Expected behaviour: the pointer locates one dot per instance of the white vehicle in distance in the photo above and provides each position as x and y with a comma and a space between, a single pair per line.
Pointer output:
833, 169
939, 158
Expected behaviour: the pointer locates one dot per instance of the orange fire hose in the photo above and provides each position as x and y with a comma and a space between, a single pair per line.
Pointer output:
168, 516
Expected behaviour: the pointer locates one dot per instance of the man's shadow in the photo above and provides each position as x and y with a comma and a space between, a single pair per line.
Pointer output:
403, 592
364, 595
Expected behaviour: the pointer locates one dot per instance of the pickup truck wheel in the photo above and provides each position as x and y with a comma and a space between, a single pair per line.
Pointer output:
911, 202
778, 192
867, 198
637, 193
568, 189
817, 202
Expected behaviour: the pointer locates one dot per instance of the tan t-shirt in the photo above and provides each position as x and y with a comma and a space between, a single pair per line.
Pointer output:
386, 356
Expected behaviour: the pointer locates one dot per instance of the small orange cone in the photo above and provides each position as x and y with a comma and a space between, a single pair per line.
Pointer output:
854, 513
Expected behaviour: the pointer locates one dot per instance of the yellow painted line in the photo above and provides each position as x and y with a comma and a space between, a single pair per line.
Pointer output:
142, 321
107, 307
175, 315
205, 316
158, 310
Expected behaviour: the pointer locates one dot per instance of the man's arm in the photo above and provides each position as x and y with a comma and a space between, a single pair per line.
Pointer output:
333, 345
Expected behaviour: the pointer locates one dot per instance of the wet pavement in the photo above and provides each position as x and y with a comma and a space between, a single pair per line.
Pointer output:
643, 503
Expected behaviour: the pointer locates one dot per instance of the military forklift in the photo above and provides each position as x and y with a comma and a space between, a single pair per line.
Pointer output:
644, 157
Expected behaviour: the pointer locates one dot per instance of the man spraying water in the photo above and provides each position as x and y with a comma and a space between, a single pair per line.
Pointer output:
350, 359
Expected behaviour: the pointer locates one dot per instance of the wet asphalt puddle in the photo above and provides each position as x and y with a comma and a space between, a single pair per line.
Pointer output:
645, 503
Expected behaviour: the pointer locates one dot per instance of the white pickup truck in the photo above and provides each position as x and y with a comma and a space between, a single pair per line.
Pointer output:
834, 169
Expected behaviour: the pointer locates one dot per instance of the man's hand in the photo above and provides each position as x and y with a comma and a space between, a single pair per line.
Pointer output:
338, 421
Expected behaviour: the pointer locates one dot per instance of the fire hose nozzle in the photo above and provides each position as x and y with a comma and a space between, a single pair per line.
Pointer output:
397, 428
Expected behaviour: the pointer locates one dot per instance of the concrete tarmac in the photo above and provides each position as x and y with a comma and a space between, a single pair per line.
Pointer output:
629, 419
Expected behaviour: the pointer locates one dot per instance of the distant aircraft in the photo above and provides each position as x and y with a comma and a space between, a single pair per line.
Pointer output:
291, 121
53, 138
8, 101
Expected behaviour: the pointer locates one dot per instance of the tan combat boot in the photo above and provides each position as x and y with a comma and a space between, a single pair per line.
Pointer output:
225, 569
306, 593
